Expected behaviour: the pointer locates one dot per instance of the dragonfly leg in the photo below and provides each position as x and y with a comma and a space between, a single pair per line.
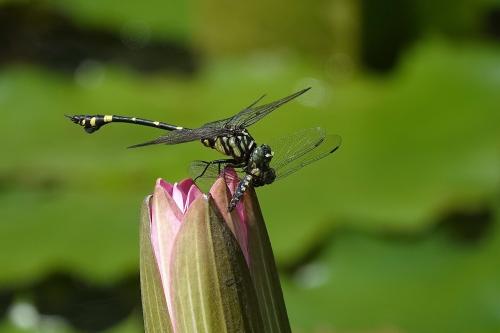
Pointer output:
228, 162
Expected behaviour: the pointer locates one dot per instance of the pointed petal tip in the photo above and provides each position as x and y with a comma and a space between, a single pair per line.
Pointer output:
163, 202
193, 194
147, 200
199, 202
166, 186
186, 184
219, 182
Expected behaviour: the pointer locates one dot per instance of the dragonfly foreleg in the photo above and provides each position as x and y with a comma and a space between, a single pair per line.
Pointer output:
226, 162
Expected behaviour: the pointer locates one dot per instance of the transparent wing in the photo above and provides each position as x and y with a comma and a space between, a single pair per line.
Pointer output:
295, 151
252, 113
228, 126
205, 173
187, 135
203, 169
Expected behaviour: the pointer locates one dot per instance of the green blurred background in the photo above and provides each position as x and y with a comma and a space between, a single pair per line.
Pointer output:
399, 231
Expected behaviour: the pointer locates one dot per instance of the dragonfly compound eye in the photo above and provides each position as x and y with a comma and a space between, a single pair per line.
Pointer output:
267, 153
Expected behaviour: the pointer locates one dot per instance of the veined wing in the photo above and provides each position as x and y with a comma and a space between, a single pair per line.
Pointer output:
291, 153
228, 126
186, 135
205, 173
253, 113
295, 151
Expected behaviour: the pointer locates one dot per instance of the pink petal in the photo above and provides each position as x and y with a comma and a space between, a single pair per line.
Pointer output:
166, 186
165, 224
180, 193
193, 194
232, 180
236, 220
185, 185
178, 197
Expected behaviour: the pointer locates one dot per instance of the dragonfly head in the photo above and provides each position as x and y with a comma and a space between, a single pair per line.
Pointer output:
260, 160
261, 157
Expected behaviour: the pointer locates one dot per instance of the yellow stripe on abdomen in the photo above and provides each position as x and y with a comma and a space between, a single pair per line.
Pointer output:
219, 145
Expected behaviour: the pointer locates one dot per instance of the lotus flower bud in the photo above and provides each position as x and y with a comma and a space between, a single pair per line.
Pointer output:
204, 269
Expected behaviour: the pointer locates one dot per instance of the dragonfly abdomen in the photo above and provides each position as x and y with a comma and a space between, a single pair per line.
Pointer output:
238, 146
240, 190
93, 122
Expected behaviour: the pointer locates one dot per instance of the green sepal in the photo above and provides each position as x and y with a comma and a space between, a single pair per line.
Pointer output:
154, 305
211, 283
263, 269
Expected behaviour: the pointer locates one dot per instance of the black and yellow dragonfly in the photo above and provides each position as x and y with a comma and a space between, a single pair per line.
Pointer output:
258, 164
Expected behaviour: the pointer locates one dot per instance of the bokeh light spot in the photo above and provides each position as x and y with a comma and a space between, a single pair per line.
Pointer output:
90, 74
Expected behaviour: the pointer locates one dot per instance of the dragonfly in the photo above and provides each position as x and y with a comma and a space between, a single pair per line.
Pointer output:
258, 165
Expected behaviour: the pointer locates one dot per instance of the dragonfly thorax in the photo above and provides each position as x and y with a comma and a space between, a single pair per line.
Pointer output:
239, 146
